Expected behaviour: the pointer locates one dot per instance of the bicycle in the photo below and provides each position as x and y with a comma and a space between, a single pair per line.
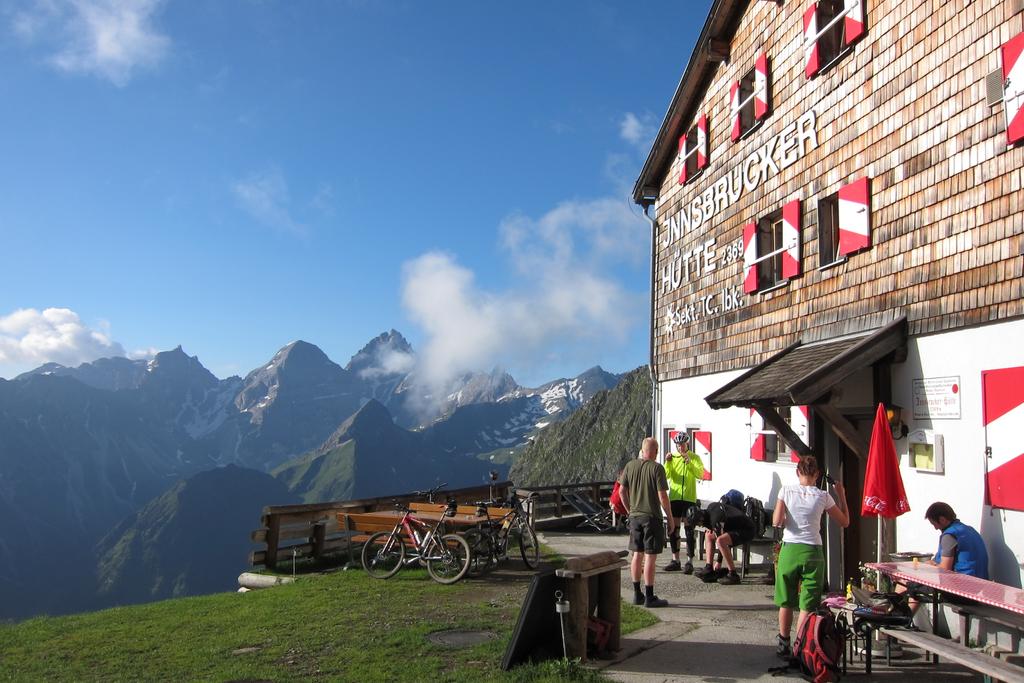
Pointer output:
490, 541
446, 556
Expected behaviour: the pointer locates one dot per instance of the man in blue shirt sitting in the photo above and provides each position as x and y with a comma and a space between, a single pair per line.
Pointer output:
961, 548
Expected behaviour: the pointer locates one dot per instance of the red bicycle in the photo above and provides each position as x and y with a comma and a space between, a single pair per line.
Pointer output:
446, 556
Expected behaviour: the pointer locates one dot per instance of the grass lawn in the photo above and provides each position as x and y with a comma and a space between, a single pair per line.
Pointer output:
341, 626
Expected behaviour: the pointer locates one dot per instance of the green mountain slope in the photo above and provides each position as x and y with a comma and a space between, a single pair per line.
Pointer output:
191, 540
595, 442
323, 475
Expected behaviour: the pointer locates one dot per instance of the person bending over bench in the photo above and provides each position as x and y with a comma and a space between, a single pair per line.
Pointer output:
727, 526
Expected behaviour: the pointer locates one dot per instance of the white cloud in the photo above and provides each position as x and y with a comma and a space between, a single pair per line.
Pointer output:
588, 231
111, 39
32, 337
265, 197
571, 301
637, 130
323, 200
389, 362
143, 354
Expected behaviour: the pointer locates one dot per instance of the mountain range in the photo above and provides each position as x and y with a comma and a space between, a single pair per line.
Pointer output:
85, 451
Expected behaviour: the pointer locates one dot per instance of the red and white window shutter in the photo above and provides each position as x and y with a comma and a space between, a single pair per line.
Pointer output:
811, 62
855, 216
702, 447
734, 109
799, 422
682, 157
1002, 412
700, 149
791, 239
749, 257
702, 142
854, 20
757, 436
1013, 88
761, 87
852, 16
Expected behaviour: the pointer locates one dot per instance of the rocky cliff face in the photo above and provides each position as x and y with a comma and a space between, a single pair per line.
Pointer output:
595, 441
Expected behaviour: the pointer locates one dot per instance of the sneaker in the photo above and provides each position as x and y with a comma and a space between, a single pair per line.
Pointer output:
704, 571
711, 575
655, 601
673, 566
638, 599
783, 647
688, 568
730, 579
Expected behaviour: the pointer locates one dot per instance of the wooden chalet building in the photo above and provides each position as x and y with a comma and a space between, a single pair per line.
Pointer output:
837, 221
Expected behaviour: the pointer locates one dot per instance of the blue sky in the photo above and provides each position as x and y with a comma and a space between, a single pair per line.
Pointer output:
232, 176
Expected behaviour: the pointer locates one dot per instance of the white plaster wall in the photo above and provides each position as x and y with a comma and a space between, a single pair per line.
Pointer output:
964, 353
682, 405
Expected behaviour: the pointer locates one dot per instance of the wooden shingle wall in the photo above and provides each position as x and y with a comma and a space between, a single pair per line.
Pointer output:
907, 108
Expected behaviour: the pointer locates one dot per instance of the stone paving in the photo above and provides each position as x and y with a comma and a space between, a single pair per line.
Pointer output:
717, 633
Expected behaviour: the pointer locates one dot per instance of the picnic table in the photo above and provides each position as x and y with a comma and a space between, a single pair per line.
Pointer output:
1006, 600
964, 585
360, 525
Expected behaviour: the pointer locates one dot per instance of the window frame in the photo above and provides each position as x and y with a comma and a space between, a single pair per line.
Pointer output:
747, 110
694, 159
839, 25
787, 248
772, 227
828, 208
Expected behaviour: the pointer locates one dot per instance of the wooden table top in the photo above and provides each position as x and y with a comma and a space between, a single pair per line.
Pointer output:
964, 585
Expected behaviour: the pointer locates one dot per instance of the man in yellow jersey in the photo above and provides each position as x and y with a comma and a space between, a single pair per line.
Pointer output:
683, 469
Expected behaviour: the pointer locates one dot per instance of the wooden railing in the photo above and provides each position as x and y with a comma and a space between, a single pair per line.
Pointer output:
301, 531
549, 503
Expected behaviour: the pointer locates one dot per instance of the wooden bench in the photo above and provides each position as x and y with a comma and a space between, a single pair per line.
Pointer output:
744, 550
438, 508
361, 525
984, 613
955, 652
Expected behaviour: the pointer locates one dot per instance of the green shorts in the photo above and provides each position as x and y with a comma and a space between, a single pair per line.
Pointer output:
800, 577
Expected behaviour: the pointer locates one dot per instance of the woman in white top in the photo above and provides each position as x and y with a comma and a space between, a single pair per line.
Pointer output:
800, 575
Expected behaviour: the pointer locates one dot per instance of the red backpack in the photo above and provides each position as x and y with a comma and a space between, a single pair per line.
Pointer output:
818, 648
616, 500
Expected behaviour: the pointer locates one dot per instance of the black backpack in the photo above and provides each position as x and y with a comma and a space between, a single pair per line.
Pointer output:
754, 509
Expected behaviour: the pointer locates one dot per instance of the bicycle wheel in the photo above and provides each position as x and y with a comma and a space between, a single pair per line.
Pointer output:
481, 548
529, 546
448, 560
383, 555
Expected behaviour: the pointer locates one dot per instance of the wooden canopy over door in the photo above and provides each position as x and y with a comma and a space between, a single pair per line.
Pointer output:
805, 374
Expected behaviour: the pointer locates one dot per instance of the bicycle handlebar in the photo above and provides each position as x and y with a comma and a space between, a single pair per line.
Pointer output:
429, 493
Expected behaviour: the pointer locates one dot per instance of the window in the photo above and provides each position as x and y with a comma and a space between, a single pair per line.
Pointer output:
830, 27
693, 150
769, 243
748, 98
766, 445
854, 213
771, 249
844, 222
828, 231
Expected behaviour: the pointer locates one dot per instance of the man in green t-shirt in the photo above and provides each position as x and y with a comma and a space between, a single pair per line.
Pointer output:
645, 494
684, 469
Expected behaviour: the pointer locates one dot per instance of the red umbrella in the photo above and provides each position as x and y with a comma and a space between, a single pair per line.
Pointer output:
883, 484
